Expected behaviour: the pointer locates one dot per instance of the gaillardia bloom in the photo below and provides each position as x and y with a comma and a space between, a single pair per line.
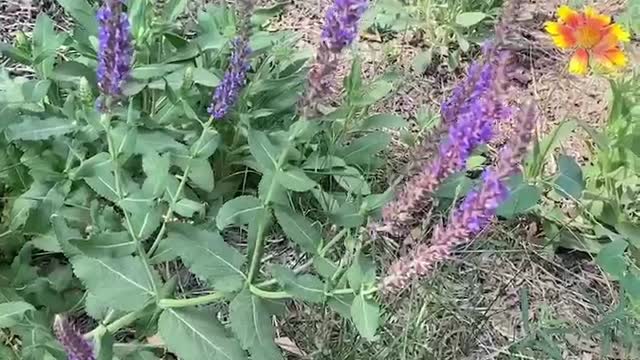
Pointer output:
592, 36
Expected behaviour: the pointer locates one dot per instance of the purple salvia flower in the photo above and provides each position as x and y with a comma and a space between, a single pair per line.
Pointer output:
471, 127
471, 217
115, 50
340, 29
226, 94
76, 347
341, 23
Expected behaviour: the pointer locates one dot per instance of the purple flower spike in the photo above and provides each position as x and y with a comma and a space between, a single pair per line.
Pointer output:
471, 217
226, 94
341, 23
114, 49
471, 113
76, 347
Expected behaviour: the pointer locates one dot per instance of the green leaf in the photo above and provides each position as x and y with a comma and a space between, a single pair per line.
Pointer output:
468, 19
121, 283
569, 182
11, 313
145, 219
295, 179
173, 9
239, 211
159, 141
73, 71
522, 198
631, 233
351, 180
384, 121
205, 77
278, 192
304, 287
208, 256
208, 145
545, 148
263, 150
104, 347
196, 334
152, 71
299, 229
362, 272
611, 258
106, 244
317, 161
156, 168
82, 12
342, 304
187, 207
347, 215
366, 316
373, 92
251, 323
32, 128
45, 39
362, 151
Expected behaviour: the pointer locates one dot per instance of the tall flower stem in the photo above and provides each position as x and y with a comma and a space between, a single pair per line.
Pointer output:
262, 226
185, 174
105, 120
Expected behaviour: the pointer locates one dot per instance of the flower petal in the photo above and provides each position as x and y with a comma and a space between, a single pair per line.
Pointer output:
594, 18
579, 62
620, 33
552, 27
568, 16
611, 59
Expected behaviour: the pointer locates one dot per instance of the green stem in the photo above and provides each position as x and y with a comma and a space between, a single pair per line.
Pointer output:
275, 295
262, 227
114, 326
200, 300
183, 182
116, 174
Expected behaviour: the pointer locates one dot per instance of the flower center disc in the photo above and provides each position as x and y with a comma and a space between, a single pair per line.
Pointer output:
587, 37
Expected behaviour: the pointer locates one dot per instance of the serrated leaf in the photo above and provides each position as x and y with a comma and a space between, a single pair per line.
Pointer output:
106, 244
251, 323
121, 283
156, 168
263, 150
239, 211
299, 229
278, 192
152, 71
384, 121
365, 314
32, 128
361, 272
12, 312
304, 287
208, 145
611, 258
522, 197
342, 304
173, 9
373, 92
159, 141
468, 19
351, 180
201, 174
295, 179
195, 334
82, 12
187, 207
146, 217
569, 182
318, 161
208, 256
92, 166
362, 150
205, 77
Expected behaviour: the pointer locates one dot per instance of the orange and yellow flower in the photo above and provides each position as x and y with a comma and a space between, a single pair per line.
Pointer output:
592, 36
